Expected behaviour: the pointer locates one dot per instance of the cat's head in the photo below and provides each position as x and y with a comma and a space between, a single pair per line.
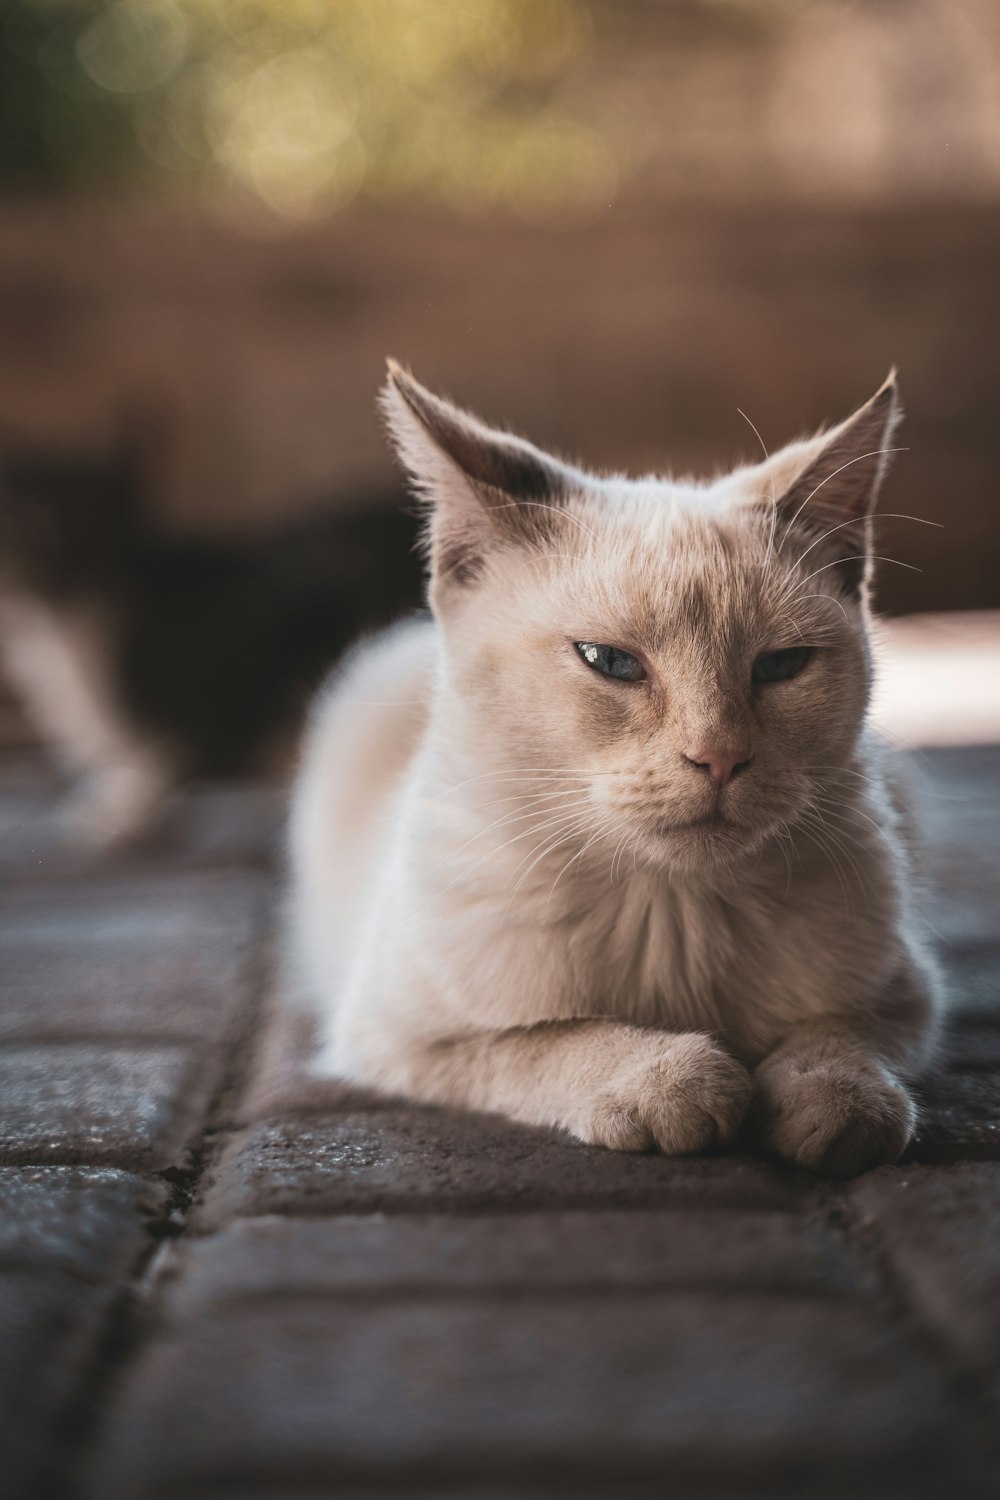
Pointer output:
683, 668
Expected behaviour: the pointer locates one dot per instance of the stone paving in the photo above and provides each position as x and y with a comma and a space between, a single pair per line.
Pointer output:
215, 1282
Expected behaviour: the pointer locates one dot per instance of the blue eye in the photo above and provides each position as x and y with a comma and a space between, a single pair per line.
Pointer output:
779, 666
611, 661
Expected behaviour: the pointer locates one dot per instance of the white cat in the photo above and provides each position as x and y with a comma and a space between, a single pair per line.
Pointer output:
606, 845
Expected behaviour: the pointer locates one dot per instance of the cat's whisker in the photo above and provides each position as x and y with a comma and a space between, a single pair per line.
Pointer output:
830, 599
575, 814
838, 836
574, 557
463, 874
601, 831
842, 771
616, 856
875, 453
533, 797
549, 819
834, 809
861, 557
791, 592
629, 842
817, 836
785, 844
843, 810
774, 498
882, 516
551, 844
528, 773
507, 820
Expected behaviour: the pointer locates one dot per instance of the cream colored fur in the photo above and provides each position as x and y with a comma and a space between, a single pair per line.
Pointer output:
502, 895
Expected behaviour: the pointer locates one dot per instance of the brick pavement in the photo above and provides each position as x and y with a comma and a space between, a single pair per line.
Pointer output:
216, 1282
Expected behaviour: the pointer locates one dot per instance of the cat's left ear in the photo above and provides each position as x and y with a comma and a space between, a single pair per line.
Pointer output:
485, 489
828, 485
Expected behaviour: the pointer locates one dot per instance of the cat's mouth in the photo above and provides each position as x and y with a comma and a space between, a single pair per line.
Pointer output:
709, 820
699, 842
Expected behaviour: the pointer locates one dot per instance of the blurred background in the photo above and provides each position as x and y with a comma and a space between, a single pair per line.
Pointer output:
609, 225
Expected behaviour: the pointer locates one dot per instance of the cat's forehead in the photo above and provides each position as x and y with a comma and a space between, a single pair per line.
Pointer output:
658, 502
665, 560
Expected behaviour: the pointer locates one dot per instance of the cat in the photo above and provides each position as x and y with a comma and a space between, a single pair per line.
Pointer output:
605, 844
143, 658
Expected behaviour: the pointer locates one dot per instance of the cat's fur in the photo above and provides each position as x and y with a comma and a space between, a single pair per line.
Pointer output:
144, 658
502, 897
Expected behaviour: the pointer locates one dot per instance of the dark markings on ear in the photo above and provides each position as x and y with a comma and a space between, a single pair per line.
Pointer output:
489, 458
483, 488
834, 496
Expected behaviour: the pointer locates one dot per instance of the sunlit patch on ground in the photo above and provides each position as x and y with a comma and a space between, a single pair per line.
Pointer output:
938, 679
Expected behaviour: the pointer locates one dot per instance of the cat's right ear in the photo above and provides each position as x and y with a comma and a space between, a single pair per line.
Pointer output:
484, 489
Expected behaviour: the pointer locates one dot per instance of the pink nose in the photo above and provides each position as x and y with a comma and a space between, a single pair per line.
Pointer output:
722, 764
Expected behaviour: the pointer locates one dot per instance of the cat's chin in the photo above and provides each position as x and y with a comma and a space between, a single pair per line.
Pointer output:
698, 844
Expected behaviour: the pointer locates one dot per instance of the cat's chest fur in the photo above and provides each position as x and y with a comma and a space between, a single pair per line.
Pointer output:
659, 953
654, 951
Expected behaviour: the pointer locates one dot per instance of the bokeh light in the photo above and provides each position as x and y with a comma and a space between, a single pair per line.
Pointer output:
301, 106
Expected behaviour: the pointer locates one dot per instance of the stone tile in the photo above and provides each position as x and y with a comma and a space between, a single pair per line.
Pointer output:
528, 1252
798, 1486
162, 958
960, 1117
85, 1220
172, 991
48, 1328
212, 824
973, 975
410, 1158
228, 823
69, 1239
138, 911
587, 1388
969, 1047
104, 1105
941, 1229
959, 815
961, 795
965, 893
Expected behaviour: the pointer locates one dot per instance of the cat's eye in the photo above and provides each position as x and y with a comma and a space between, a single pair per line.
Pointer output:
779, 666
611, 661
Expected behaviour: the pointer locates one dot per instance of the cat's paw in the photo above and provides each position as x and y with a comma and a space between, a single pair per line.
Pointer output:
835, 1118
681, 1096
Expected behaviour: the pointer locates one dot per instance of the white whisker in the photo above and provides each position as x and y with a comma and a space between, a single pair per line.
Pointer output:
875, 453
854, 520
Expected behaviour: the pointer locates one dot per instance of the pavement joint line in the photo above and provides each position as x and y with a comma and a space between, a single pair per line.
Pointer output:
487, 1295
130, 1319
473, 1208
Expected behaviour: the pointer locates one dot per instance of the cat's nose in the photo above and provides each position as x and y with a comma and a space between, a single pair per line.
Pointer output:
721, 762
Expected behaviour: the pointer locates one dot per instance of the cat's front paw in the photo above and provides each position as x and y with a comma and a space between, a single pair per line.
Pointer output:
682, 1095
835, 1118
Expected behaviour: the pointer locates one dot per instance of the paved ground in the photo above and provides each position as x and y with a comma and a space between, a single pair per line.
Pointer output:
213, 1285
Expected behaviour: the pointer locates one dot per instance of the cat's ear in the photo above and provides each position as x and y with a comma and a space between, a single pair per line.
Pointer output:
484, 489
827, 487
